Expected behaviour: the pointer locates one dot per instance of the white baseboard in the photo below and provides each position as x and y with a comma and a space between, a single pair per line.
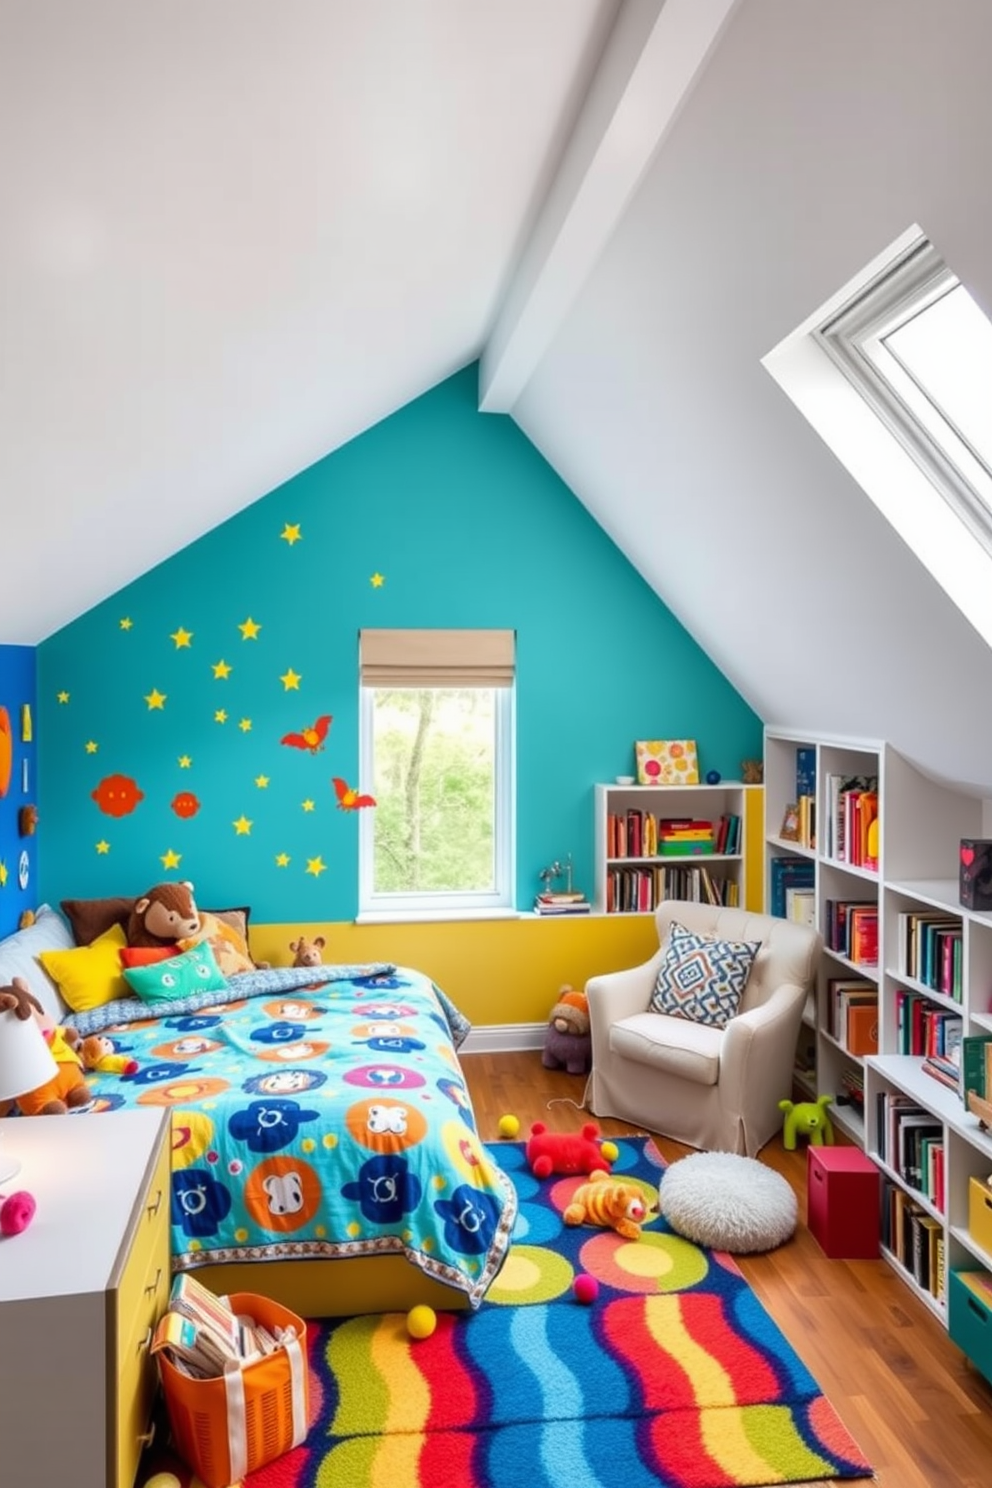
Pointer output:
504, 1038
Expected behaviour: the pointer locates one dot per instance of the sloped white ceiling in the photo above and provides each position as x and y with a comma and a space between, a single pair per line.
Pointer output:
237, 232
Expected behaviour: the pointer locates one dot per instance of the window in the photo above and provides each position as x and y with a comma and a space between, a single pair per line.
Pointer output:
437, 745
893, 372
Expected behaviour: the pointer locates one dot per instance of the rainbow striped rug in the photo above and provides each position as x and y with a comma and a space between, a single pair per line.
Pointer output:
675, 1375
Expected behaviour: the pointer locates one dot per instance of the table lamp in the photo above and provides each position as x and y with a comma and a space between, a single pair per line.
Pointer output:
25, 1063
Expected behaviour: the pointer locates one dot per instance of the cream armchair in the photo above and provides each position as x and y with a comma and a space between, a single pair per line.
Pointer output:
716, 1089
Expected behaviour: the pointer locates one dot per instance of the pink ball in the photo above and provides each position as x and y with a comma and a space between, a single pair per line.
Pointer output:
17, 1212
586, 1288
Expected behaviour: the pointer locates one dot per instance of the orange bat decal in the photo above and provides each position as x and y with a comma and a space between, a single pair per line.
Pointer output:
311, 738
348, 799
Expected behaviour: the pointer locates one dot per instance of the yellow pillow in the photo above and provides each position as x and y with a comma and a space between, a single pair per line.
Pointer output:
90, 975
230, 949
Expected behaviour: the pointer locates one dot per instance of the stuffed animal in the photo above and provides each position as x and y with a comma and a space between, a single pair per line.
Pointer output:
164, 915
67, 1088
567, 1040
610, 1203
307, 952
807, 1119
98, 1053
565, 1152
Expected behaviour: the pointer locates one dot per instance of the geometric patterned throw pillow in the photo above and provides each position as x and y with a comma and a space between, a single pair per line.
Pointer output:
702, 979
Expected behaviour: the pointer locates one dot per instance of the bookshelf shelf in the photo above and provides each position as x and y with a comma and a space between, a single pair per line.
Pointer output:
933, 974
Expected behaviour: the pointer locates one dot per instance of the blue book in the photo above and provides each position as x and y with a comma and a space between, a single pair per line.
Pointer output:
805, 772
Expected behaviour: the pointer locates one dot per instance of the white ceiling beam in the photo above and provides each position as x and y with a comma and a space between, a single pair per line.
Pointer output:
653, 56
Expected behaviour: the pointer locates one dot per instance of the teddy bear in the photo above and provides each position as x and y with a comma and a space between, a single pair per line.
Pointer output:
567, 1040
97, 1053
611, 1203
550, 1152
807, 1119
164, 915
307, 952
68, 1087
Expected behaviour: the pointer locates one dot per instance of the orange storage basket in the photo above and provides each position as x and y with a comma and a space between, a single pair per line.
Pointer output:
204, 1413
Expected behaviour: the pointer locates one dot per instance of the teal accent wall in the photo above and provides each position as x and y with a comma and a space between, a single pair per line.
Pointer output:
19, 787
468, 526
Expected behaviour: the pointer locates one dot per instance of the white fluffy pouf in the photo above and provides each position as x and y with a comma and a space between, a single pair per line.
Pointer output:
728, 1202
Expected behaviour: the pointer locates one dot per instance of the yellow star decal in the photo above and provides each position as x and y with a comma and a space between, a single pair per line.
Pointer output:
126, 623
245, 725
291, 679
307, 805
185, 761
316, 866
222, 670
103, 846
282, 860
171, 859
242, 826
181, 637
91, 746
155, 699
291, 533
249, 629
62, 697
377, 581
3, 874
220, 716
261, 781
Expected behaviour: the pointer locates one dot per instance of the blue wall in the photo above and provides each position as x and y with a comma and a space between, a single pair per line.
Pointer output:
468, 526
17, 690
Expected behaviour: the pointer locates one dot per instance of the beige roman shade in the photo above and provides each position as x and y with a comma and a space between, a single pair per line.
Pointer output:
437, 658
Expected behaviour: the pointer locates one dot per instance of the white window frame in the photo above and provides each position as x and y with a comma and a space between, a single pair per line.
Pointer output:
478, 904
880, 461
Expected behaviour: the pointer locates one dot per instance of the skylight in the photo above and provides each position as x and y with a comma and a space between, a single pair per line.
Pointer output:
911, 413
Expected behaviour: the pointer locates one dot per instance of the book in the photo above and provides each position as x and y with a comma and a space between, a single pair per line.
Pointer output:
976, 1065
862, 1028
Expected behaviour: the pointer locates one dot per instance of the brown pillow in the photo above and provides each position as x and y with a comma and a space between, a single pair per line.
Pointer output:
91, 918
236, 918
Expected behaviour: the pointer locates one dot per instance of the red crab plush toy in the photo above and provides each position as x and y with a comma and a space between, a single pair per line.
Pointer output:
565, 1152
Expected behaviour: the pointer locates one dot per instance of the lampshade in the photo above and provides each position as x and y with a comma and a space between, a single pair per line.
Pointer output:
25, 1063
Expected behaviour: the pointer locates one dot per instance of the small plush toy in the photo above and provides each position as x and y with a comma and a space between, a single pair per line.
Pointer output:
307, 952
98, 1053
610, 1203
807, 1119
567, 1040
67, 1087
164, 915
565, 1152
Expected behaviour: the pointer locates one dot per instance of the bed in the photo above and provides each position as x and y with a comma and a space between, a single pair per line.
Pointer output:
324, 1149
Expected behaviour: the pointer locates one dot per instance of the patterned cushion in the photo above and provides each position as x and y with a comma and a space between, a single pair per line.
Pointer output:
701, 978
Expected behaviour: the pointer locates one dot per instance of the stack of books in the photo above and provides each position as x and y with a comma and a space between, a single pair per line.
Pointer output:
680, 837
562, 904
201, 1336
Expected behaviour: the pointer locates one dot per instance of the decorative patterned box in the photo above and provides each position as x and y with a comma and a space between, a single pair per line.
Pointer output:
667, 762
975, 873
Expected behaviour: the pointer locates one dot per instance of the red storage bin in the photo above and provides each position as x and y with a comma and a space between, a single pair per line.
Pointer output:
229, 1426
842, 1187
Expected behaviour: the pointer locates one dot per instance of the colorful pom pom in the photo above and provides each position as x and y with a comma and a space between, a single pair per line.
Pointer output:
585, 1288
421, 1321
508, 1126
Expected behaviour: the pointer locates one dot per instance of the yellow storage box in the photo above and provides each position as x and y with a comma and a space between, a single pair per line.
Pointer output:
980, 1213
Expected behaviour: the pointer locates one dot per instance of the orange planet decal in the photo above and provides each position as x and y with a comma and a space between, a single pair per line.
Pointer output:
185, 804
6, 751
117, 795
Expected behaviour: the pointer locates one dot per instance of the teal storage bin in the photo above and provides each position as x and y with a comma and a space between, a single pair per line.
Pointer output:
969, 1317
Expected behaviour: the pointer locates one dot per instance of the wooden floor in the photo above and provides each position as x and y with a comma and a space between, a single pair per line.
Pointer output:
920, 1413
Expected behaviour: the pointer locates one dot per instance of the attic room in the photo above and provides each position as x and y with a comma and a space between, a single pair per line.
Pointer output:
334, 331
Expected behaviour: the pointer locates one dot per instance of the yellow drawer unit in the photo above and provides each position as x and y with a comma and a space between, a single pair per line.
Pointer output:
980, 1213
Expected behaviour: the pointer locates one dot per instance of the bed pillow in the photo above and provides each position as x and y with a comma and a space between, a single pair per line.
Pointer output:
19, 953
145, 955
701, 978
91, 918
180, 976
229, 947
88, 976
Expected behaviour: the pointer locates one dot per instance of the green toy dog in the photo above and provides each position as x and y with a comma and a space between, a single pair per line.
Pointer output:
808, 1119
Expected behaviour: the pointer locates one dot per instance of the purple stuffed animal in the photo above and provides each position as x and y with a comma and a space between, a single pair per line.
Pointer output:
568, 1042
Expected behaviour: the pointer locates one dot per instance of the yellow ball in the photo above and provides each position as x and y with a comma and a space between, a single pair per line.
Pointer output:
163, 1480
508, 1126
421, 1321
610, 1151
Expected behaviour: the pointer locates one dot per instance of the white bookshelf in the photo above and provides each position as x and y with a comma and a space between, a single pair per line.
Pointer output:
922, 822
